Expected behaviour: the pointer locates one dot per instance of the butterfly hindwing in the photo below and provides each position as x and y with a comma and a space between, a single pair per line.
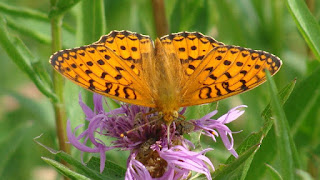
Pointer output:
98, 68
227, 71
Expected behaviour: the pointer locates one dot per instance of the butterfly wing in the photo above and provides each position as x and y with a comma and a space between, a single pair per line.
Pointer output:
227, 71
110, 67
189, 47
215, 71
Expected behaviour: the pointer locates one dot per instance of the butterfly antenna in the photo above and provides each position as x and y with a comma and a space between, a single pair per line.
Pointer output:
134, 129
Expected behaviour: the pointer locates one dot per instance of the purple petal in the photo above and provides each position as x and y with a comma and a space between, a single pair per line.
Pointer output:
136, 170
102, 159
183, 160
97, 101
87, 111
183, 110
209, 115
232, 114
228, 143
74, 141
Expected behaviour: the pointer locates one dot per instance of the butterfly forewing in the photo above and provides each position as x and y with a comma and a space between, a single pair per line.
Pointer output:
100, 69
227, 71
189, 47
129, 46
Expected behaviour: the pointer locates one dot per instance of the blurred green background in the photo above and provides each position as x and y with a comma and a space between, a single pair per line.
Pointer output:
257, 24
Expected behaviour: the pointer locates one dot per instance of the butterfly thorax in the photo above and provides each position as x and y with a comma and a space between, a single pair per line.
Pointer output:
164, 77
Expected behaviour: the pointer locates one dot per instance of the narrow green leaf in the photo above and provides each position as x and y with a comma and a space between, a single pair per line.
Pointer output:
229, 31
201, 17
305, 94
42, 72
304, 175
283, 136
233, 170
307, 24
92, 23
23, 12
92, 170
267, 152
87, 171
111, 170
10, 143
28, 31
258, 137
274, 173
17, 53
61, 6
64, 170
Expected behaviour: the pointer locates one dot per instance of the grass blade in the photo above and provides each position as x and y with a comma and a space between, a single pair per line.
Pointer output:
64, 170
19, 56
307, 24
284, 141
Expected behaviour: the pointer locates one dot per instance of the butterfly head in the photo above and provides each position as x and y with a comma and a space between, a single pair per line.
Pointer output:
169, 116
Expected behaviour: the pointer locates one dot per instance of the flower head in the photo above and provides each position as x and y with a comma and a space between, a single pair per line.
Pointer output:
133, 128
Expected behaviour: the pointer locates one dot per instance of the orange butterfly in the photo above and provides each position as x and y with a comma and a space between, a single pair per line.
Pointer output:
177, 70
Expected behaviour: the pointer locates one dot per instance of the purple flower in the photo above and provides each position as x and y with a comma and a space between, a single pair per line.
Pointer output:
209, 125
145, 136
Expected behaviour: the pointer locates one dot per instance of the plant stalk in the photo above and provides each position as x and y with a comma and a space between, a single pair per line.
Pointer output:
160, 19
59, 107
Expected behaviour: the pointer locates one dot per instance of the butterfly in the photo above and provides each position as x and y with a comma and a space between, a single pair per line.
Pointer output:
178, 70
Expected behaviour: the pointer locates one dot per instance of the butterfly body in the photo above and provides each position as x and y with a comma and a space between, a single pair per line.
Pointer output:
164, 82
177, 70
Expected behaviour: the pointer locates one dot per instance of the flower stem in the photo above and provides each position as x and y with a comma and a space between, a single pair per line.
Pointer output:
160, 19
59, 107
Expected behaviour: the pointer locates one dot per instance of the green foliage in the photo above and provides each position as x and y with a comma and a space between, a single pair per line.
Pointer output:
278, 141
307, 24
91, 170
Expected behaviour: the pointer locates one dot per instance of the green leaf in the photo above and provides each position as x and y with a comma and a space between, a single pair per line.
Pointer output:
257, 138
91, 21
229, 31
70, 160
305, 94
23, 12
284, 141
304, 175
274, 173
195, 12
64, 170
11, 142
201, 17
18, 53
58, 7
111, 171
234, 169
267, 152
28, 31
307, 24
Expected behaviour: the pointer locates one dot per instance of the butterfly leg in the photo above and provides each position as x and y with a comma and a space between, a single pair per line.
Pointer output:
181, 117
144, 115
